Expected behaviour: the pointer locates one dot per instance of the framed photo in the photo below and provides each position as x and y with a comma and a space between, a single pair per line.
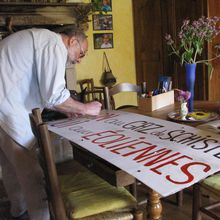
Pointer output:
103, 41
102, 22
102, 5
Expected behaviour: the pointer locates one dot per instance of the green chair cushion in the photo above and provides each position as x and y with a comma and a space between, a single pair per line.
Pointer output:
213, 184
111, 215
87, 194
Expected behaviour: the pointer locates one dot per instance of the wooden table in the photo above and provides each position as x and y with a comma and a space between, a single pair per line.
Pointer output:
163, 112
155, 208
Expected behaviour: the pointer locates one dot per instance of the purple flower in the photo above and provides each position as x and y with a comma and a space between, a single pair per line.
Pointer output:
181, 96
192, 38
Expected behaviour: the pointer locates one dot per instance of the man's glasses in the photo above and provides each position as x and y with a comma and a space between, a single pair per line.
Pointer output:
82, 52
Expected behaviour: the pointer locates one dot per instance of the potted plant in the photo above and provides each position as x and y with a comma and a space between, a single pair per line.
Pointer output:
192, 39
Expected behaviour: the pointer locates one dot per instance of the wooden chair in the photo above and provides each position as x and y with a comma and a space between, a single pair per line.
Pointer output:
80, 194
208, 189
87, 86
119, 88
86, 83
91, 92
97, 94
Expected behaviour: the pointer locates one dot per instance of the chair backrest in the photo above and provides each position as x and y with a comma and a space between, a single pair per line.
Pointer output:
86, 83
98, 94
87, 86
121, 87
46, 159
91, 92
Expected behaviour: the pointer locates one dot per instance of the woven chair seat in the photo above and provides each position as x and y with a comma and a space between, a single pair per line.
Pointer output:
86, 194
212, 184
110, 216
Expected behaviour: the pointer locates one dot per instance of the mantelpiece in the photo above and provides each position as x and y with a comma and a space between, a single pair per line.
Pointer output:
19, 15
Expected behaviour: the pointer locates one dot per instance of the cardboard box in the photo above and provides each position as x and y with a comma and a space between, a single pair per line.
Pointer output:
156, 102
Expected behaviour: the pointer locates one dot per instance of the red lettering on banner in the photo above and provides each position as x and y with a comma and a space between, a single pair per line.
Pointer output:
104, 145
172, 162
158, 154
115, 151
127, 142
88, 137
101, 141
142, 151
185, 168
146, 150
110, 137
132, 146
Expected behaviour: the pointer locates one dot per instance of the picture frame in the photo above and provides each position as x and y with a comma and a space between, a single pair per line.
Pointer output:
102, 5
103, 40
102, 22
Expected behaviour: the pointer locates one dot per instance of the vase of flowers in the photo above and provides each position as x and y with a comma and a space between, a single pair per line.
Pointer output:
192, 39
190, 83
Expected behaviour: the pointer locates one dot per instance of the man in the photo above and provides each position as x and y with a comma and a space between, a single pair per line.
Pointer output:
32, 72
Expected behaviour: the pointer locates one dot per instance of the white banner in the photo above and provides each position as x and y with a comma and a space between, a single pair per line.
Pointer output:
164, 155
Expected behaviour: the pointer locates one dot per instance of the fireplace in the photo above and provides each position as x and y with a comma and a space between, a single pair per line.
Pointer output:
16, 16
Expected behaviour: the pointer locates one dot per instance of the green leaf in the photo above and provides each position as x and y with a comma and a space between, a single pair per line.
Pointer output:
187, 55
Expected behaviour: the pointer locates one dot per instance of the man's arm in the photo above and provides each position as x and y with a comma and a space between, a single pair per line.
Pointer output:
71, 106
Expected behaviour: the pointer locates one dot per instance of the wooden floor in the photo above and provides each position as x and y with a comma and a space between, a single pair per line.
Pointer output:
170, 210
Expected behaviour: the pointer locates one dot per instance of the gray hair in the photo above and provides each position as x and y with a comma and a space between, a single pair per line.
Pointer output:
71, 31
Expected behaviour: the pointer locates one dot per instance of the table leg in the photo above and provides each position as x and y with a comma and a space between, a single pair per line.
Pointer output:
154, 206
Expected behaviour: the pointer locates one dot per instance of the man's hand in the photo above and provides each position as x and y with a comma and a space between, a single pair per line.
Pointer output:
72, 107
93, 108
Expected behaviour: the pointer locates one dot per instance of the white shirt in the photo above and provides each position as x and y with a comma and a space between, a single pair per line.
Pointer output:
32, 74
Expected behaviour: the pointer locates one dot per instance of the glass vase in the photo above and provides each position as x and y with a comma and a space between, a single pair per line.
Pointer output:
190, 82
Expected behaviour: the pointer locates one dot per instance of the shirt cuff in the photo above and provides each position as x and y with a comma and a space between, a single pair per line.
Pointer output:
58, 99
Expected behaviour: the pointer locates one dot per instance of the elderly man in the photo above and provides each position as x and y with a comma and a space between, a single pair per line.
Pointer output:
32, 74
